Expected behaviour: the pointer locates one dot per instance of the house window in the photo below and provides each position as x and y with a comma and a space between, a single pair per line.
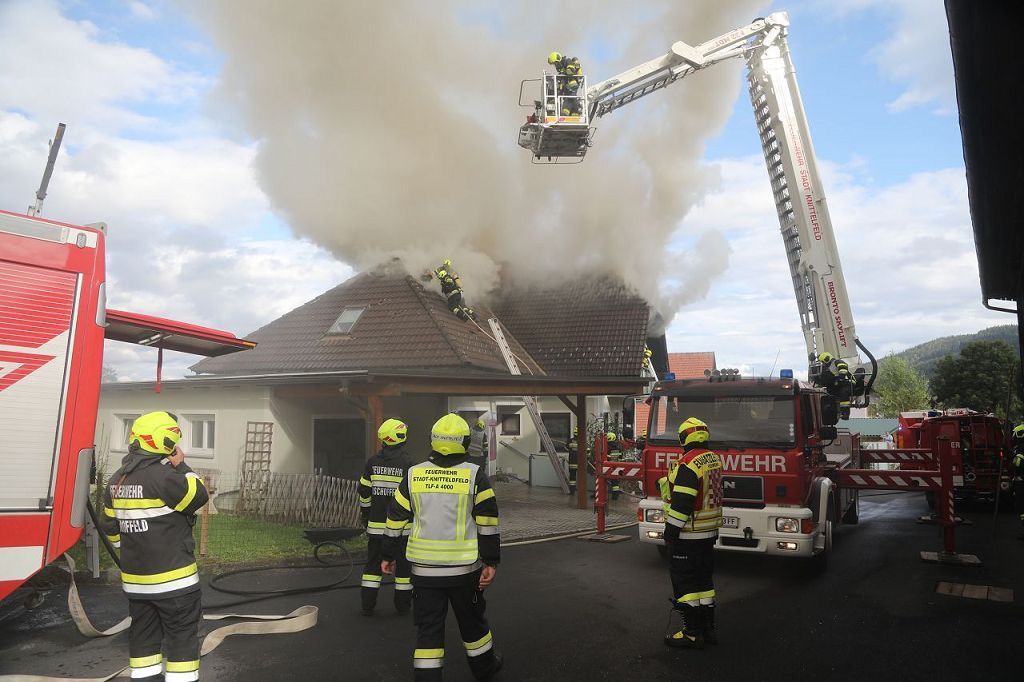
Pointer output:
199, 434
557, 425
345, 321
508, 417
122, 429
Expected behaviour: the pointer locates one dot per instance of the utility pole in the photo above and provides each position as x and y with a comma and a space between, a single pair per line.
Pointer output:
36, 208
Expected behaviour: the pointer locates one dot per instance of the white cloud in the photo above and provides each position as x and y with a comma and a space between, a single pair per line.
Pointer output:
907, 252
142, 11
915, 54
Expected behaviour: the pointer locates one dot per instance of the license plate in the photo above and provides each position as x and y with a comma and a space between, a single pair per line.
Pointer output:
730, 522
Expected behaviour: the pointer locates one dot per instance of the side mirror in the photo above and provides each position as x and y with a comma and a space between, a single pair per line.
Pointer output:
829, 410
828, 433
628, 406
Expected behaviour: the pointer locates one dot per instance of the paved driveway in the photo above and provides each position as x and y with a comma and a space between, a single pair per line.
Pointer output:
573, 610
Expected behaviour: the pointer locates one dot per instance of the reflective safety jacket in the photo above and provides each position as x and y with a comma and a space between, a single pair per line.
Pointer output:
149, 511
450, 507
380, 479
695, 487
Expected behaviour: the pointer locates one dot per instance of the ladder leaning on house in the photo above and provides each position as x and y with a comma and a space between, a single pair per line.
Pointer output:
531, 406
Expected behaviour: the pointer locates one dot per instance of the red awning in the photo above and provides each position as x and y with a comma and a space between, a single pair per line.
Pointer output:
157, 332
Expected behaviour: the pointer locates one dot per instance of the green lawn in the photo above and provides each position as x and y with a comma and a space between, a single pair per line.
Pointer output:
235, 540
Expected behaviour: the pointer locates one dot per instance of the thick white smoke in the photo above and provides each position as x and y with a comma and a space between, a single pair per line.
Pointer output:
389, 129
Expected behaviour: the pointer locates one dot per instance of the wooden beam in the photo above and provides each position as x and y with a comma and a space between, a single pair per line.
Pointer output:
389, 389
526, 387
568, 403
581, 452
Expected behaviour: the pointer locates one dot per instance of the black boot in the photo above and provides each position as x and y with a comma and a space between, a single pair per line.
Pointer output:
690, 636
403, 600
710, 636
369, 597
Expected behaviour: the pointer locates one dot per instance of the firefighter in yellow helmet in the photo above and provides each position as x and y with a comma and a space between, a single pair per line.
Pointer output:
451, 287
1018, 473
568, 80
614, 455
572, 447
454, 548
380, 479
692, 519
149, 510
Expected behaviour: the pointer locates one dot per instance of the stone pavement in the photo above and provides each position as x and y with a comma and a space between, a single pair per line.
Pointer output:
533, 512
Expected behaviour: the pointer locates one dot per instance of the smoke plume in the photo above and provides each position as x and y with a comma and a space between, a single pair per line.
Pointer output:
389, 130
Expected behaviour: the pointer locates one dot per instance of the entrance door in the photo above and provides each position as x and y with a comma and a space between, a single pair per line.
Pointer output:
339, 447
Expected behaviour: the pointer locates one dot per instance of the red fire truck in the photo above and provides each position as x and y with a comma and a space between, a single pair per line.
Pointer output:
979, 438
53, 321
780, 451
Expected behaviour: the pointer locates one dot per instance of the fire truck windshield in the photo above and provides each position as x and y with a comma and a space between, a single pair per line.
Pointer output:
735, 420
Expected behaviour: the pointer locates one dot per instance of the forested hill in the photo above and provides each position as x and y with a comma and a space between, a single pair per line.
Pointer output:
924, 356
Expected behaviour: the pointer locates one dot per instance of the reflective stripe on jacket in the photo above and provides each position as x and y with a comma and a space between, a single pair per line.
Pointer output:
696, 495
450, 507
150, 506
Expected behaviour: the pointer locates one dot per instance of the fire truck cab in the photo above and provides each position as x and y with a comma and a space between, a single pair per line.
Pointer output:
778, 442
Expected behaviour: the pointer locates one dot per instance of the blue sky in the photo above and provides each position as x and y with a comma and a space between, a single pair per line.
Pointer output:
142, 92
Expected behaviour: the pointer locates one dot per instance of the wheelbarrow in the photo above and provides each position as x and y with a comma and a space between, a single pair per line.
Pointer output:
327, 547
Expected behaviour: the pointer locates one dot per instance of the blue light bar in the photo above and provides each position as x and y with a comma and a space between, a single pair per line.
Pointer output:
669, 376
785, 374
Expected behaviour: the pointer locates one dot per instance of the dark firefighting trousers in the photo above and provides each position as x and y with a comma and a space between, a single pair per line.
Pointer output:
372, 576
430, 609
1018, 498
170, 625
691, 565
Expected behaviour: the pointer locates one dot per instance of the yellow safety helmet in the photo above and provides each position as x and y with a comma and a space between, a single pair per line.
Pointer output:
156, 432
1018, 431
446, 263
693, 430
825, 357
442, 273
554, 57
450, 435
392, 432
611, 436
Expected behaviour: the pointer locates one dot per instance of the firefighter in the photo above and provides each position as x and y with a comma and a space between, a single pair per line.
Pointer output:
383, 473
572, 445
614, 455
451, 287
478, 443
149, 510
569, 73
693, 493
1018, 473
454, 548
648, 353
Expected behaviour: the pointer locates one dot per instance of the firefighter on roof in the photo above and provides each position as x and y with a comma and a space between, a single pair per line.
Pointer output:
149, 511
451, 287
380, 479
693, 495
454, 548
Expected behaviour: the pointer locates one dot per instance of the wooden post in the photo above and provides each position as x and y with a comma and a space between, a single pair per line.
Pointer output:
581, 452
204, 521
374, 417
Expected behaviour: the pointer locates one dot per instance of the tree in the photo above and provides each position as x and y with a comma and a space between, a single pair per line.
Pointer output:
979, 378
109, 375
899, 388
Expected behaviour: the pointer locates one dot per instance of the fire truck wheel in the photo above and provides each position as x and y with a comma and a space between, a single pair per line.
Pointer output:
852, 515
819, 562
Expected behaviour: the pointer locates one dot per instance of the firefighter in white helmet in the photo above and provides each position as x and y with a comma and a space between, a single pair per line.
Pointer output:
149, 510
693, 515
454, 548
380, 479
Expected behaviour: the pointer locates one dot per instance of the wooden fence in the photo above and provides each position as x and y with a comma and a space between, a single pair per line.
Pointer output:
300, 499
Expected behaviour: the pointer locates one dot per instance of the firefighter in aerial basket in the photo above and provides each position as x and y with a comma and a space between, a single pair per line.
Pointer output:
149, 510
454, 548
692, 492
380, 479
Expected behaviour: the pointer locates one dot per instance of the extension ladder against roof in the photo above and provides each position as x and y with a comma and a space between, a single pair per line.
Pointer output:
531, 406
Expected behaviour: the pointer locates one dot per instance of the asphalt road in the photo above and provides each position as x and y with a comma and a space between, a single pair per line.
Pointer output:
573, 610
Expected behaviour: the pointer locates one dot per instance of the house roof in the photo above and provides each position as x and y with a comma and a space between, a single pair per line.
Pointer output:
592, 329
691, 365
403, 327
592, 326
